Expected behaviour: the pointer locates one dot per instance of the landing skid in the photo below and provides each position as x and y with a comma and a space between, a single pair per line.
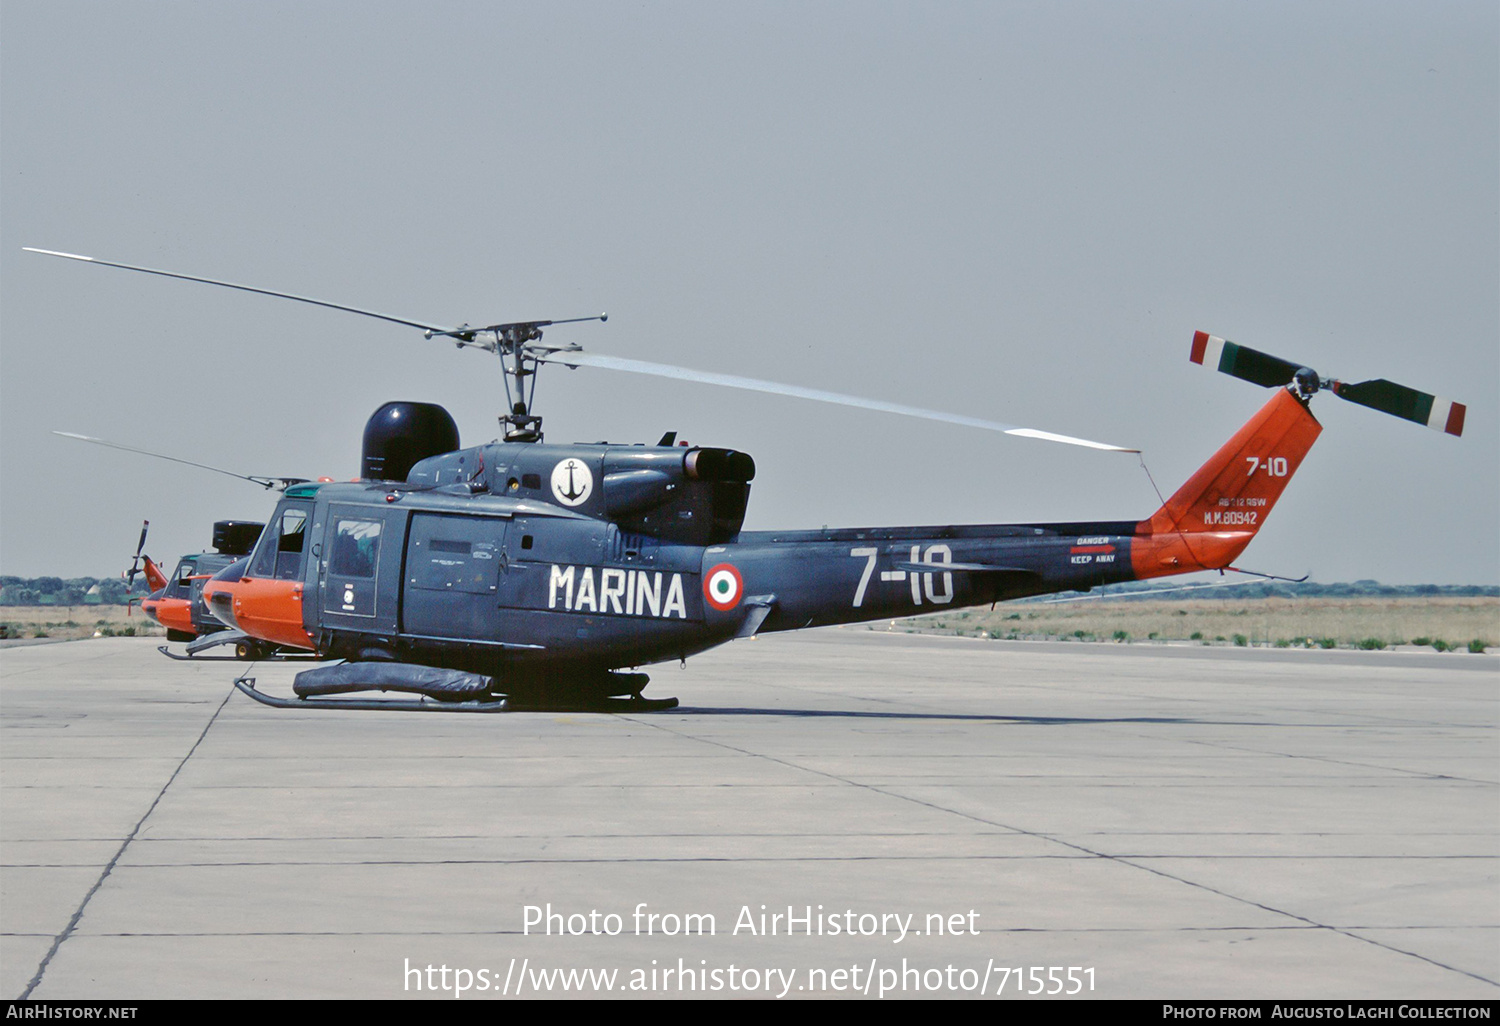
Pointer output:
192, 658
631, 704
247, 686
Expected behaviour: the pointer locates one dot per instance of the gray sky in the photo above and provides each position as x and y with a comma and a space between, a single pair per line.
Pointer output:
1019, 212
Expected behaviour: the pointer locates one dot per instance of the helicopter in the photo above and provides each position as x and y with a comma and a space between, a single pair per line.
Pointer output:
176, 601
522, 574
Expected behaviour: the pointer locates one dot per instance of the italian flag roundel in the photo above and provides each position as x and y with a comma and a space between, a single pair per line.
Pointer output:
722, 587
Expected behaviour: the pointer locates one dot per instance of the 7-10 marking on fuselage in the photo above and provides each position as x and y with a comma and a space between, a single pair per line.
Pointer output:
936, 555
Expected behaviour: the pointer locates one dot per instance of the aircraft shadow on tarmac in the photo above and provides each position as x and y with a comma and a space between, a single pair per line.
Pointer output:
970, 717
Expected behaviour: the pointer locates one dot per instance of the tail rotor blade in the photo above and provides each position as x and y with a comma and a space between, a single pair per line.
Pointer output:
1242, 362
135, 564
1378, 394
1407, 403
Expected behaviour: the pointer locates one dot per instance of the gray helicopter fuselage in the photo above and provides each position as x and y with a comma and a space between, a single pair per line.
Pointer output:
544, 561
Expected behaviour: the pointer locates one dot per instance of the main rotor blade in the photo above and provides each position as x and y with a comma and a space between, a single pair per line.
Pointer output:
265, 482
575, 358
434, 328
1407, 403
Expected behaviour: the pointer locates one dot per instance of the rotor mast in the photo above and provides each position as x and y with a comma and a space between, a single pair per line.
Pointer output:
514, 344
520, 424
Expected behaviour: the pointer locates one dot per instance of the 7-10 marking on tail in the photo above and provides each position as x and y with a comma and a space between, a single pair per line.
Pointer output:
1274, 466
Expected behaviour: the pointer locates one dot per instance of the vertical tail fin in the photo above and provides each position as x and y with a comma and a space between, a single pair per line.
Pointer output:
156, 580
1210, 519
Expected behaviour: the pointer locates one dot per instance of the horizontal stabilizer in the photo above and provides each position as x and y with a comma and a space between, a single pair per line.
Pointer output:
963, 568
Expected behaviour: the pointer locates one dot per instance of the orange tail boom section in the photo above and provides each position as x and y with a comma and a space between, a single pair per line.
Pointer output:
1208, 522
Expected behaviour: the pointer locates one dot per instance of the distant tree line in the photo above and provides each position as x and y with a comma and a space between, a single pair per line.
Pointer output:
1254, 589
72, 591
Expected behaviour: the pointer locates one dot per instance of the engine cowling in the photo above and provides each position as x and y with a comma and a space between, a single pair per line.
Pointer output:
697, 497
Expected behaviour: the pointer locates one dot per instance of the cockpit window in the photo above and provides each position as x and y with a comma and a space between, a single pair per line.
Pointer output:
181, 581
279, 553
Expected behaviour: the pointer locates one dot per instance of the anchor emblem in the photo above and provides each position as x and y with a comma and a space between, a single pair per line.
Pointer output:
572, 482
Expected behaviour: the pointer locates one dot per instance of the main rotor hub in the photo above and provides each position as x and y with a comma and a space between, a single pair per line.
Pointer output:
515, 345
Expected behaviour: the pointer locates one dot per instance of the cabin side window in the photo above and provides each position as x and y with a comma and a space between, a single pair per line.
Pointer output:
356, 549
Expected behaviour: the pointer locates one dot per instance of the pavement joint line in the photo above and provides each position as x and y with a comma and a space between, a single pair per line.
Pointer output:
1079, 847
1395, 770
1416, 774
239, 838
77, 915
1094, 783
740, 860
737, 834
